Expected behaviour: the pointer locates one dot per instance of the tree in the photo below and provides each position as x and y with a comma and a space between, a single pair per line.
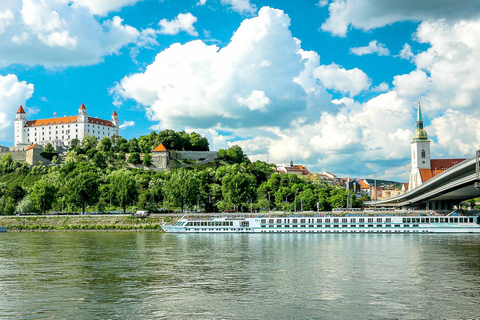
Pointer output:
147, 160
182, 188
236, 188
123, 188
43, 195
25, 206
9, 206
83, 190
234, 154
133, 145
134, 158
89, 142
105, 144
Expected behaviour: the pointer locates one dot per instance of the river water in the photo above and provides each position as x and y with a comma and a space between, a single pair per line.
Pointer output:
101, 275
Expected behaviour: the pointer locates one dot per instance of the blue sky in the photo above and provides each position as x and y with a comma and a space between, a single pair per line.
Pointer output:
330, 84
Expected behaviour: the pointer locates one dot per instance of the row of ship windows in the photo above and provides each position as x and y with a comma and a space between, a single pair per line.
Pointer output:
372, 220
339, 226
63, 137
350, 231
210, 223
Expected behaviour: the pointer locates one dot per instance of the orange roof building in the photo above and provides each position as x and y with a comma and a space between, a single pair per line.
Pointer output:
62, 130
160, 148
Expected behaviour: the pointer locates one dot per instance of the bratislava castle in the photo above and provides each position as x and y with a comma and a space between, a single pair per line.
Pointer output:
62, 130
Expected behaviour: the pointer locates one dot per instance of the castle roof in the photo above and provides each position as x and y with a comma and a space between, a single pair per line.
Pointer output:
82, 107
31, 147
114, 113
420, 134
160, 148
66, 120
20, 110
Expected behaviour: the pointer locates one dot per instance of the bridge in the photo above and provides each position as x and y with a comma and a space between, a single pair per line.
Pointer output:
442, 192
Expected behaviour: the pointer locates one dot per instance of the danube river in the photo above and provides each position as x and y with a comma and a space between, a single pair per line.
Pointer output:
96, 275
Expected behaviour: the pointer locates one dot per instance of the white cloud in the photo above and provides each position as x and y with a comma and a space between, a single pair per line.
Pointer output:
382, 87
13, 93
255, 101
371, 14
373, 47
406, 52
102, 7
6, 18
201, 2
59, 39
126, 124
60, 33
334, 77
241, 6
201, 83
183, 22
457, 134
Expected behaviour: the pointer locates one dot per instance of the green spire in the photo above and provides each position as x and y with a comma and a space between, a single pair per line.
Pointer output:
419, 114
420, 133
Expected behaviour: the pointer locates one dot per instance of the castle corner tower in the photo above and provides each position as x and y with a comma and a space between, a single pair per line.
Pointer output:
19, 124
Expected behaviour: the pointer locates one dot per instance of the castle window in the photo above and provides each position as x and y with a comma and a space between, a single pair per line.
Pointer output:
423, 153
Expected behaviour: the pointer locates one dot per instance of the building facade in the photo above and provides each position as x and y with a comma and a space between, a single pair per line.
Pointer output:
423, 167
60, 131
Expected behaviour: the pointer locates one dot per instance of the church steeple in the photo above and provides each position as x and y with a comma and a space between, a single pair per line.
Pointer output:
420, 133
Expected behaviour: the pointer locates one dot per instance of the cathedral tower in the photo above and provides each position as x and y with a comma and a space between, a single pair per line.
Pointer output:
420, 152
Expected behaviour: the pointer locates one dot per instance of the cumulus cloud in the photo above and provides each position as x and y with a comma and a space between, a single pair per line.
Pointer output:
456, 132
241, 6
104, 6
212, 86
255, 101
13, 93
334, 77
61, 33
371, 14
183, 22
373, 47
126, 124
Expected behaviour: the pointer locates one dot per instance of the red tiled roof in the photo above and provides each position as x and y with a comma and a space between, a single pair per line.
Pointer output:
20, 110
160, 148
363, 184
51, 121
100, 121
444, 163
82, 107
31, 147
66, 120
114, 113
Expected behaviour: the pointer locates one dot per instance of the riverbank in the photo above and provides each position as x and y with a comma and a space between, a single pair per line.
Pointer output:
82, 223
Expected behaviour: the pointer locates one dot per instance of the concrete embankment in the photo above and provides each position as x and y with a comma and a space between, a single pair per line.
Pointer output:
82, 222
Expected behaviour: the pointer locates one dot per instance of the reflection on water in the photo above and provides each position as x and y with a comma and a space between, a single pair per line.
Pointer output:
238, 276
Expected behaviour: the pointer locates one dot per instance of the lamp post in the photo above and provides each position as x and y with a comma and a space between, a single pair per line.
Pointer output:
269, 201
375, 192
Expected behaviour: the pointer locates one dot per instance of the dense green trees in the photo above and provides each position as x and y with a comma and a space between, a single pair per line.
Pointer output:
93, 176
182, 188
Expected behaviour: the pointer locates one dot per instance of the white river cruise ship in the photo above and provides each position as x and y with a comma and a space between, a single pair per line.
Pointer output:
326, 224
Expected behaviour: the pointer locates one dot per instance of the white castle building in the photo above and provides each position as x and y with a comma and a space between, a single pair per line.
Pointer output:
62, 130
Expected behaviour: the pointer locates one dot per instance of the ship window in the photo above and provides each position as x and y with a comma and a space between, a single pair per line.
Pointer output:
294, 220
353, 220
370, 220
344, 220
263, 221
327, 220
327, 226
279, 220
455, 220
270, 221
335, 220
319, 220
361, 220
302, 220
379, 219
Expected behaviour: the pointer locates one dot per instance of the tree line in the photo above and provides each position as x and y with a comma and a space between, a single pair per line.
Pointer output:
93, 176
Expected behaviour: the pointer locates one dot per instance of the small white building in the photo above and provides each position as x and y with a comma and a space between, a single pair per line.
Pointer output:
60, 131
